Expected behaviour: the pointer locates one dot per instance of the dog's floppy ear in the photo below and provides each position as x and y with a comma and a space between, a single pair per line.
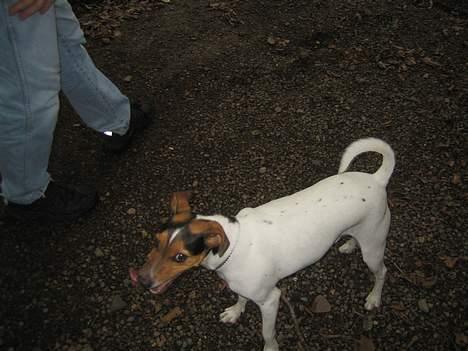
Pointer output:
213, 233
180, 208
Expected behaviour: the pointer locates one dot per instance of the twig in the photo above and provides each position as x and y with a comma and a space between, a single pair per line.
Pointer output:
296, 323
402, 273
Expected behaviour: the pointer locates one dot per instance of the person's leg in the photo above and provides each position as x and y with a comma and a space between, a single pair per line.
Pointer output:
29, 103
94, 97
30, 82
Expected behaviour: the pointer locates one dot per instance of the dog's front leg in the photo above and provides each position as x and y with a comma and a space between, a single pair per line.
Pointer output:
269, 309
232, 314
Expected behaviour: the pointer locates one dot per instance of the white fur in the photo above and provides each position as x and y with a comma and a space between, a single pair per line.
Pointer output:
275, 240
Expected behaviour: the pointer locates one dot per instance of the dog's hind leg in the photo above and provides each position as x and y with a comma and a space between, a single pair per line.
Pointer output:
373, 248
232, 314
375, 263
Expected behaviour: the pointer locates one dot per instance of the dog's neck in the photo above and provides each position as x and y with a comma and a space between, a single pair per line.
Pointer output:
231, 228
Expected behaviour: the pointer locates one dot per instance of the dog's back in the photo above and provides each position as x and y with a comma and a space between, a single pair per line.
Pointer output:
308, 222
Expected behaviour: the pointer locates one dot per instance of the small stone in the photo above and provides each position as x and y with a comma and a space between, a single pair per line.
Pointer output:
271, 40
262, 170
131, 211
278, 109
98, 252
117, 303
423, 306
321, 305
128, 78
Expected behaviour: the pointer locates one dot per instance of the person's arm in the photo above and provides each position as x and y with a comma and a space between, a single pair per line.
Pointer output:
27, 8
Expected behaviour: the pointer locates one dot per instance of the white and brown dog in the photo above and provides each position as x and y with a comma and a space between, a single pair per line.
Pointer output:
255, 249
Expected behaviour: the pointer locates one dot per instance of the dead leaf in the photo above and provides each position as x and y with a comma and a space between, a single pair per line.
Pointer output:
456, 179
366, 344
461, 339
398, 307
424, 276
430, 62
171, 315
449, 261
321, 305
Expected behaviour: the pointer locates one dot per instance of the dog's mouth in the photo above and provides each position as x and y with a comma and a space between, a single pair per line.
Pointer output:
161, 288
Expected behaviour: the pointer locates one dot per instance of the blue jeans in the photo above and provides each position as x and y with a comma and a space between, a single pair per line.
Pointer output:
39, 57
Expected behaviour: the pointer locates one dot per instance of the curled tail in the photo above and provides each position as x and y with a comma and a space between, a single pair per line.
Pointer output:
383, 174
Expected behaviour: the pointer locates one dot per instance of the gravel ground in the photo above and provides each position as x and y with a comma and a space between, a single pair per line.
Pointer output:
256, 100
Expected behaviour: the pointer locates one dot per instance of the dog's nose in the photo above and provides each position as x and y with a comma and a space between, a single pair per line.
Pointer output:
145, 281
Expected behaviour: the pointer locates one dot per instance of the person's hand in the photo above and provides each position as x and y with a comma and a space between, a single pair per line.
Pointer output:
27, 8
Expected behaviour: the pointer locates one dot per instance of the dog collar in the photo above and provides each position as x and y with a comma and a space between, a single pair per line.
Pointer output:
230, 254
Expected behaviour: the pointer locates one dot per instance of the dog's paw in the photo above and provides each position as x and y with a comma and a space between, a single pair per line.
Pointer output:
231, 314
271, 346
348, 247
372, 301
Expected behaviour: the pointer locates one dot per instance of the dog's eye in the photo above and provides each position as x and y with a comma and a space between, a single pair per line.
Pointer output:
180, 257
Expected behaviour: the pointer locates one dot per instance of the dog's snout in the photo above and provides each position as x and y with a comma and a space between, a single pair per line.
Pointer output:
140, 278
145, 281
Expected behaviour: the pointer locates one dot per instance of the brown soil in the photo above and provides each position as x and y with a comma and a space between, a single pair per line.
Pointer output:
256, 100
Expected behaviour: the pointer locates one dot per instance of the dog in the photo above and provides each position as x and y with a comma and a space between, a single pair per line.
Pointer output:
252, 251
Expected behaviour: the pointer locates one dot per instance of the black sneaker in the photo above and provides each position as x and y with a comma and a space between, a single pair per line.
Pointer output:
140, 118
59, 203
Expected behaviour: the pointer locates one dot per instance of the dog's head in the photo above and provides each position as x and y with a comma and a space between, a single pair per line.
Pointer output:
182, 243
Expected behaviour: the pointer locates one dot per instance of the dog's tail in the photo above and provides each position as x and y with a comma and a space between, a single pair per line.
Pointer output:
383, 174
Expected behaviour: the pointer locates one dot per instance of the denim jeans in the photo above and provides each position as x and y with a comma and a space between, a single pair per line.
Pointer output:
38, 58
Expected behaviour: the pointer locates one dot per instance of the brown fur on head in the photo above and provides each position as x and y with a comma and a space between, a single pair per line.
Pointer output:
181, 244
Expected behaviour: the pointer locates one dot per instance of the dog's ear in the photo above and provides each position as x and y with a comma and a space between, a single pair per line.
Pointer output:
180, 207
213, 233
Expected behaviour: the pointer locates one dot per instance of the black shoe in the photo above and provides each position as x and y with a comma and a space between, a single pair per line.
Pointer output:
140, 118
59, 203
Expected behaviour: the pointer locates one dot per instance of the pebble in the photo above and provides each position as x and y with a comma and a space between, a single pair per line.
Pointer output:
98, 252
117, 303
423, 306
262, 170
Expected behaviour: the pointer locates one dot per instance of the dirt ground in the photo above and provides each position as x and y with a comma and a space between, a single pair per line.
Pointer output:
256, 100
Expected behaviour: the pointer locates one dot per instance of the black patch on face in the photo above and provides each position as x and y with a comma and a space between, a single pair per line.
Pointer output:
195, 244
363, 200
